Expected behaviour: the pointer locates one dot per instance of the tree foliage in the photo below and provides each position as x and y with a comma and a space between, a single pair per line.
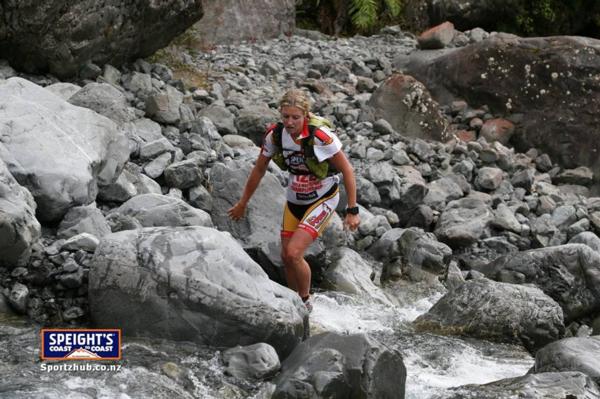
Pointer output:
348, 16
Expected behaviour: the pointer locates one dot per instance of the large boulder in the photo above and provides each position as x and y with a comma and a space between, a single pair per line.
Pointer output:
338, 366
152, 210
571, 354
570, 274
19, 229
496, 311
549, 82
350, 273
60, 152
192, 284
463, 222
407, 105
61, 36
261, 225
232, 21
566, 385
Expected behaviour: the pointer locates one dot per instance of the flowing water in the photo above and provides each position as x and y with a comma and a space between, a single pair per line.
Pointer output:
165, 369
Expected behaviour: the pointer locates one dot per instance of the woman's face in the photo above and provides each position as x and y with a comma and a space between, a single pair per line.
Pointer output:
293, 119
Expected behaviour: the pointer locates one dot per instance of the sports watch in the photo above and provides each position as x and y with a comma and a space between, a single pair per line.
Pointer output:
352, 211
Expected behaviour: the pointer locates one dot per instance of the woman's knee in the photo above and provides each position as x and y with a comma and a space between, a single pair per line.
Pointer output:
292, 254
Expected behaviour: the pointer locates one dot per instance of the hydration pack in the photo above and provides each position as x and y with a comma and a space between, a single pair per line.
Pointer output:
319, 169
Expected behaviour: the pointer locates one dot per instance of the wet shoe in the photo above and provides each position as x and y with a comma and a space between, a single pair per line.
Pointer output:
307, 303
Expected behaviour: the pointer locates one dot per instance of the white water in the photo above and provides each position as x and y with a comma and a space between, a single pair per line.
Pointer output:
433, 363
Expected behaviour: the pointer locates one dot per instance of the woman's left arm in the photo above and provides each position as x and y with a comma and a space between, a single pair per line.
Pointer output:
341, 163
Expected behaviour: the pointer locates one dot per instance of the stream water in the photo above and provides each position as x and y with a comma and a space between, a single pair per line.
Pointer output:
166, 369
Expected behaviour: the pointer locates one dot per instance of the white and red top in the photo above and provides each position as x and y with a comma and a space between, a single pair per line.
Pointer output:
305, 189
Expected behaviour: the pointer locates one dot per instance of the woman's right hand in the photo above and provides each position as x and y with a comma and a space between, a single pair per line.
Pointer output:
237, 211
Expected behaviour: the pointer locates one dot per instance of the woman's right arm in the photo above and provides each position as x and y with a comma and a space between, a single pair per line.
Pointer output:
237, 211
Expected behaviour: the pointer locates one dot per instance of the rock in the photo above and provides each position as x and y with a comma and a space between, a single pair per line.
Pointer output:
190, 284
19, 229
497, 130
442, 191
221, 117
407, 105
83, 241
32, 40
263, 19
570, 354
83, 219
163, 210
531, 386
164, 107
61, 153
258, 361
350, 273
106, 100
341, 366
570, 274
252, 121
496, 311
18, 297
417, 252
504, 73
437, 37
588, 238
184, 174
488, 178
580, 176
63, 90
262, 223
463, 222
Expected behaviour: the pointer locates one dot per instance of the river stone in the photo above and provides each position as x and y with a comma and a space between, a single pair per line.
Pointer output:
19, 229
463, 222
408, 106
570, 274
566, 385
496, 311
571, 354
417, 252
106, 100
256, 361
504, 73
337, 366
61, 152
190, 284
350, 273
588, 238
262, 223
61, 37
163, 210
83, 219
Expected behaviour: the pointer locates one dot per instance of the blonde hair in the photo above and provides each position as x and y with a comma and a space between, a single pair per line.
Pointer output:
296, 98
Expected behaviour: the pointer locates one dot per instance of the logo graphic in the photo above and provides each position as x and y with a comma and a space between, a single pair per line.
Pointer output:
80, 344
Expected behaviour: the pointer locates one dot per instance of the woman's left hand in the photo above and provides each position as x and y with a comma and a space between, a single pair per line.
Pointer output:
352, 221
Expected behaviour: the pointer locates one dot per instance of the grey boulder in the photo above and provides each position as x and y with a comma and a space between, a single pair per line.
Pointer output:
190, 284
496, 311
19, 229
570, 274
60, 152
163, 210
338, 366
571, 354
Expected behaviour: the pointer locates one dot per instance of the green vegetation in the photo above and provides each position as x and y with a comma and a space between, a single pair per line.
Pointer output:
347, 17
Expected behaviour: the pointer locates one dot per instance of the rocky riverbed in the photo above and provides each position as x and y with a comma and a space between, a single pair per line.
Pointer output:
114, 190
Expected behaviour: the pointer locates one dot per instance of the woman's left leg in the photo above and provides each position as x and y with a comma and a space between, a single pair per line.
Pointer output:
297, 269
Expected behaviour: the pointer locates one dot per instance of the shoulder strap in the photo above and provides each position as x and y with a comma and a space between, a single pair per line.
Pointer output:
277, 132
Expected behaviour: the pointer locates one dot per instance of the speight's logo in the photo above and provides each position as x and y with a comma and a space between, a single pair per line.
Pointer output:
81, 344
